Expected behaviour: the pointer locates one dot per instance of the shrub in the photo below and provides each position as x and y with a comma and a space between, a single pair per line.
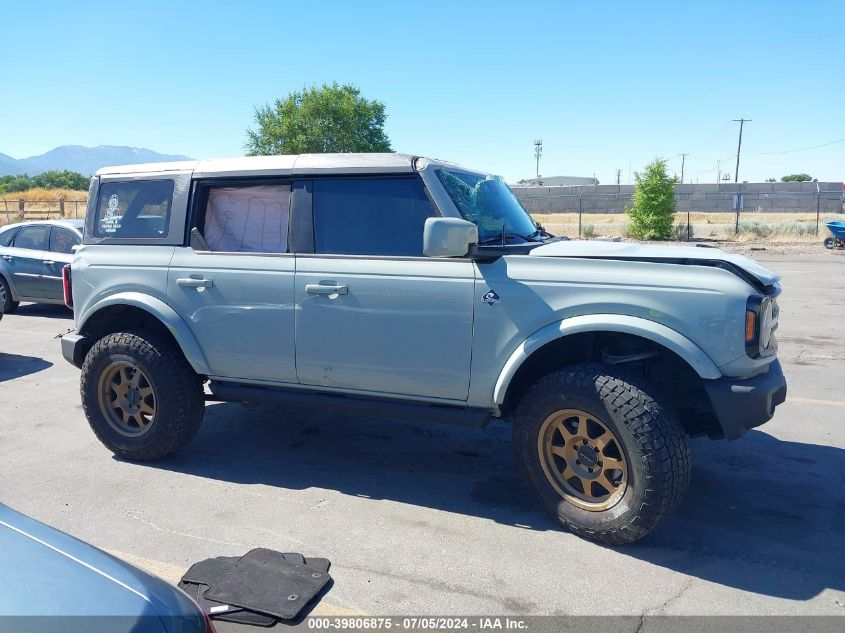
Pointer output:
653, 211
588, 230
682, 232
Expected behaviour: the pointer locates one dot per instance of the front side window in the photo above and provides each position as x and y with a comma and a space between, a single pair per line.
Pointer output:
33, 237
250, 219
62, 240
134, 209
7, 236
370, 216
487, 202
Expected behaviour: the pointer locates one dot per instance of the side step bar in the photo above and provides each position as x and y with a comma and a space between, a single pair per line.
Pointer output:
375, 407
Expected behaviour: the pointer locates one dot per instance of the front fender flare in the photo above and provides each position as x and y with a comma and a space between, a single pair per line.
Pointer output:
667, 337
164, 313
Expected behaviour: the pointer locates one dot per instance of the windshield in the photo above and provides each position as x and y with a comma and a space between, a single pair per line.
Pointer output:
487, 202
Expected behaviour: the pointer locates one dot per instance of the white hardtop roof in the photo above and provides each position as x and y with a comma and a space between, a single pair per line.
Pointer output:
287, 165
284, 165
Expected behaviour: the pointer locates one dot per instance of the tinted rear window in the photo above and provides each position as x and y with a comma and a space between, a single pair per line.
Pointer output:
136, 208
370, 216
62, 240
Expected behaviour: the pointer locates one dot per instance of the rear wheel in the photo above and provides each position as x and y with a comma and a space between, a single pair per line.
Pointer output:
9, 306
830, 243
604, 453
141, 397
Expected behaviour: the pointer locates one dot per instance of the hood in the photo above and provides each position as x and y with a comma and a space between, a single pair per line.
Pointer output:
683, 255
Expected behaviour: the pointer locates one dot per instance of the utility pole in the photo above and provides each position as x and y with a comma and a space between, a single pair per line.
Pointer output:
538, 151
718, 171
618, 177
683, 160
741, 121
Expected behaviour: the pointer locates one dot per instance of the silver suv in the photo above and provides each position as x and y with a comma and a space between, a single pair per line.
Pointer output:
400, 286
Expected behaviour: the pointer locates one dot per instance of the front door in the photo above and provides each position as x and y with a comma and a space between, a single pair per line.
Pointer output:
23, 260
373, 314
235, 285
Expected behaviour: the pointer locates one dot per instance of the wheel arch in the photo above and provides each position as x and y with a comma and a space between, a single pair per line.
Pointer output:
132, 309
6, 277
580, 339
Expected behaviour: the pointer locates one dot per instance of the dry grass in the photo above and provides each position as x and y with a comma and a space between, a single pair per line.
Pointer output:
45, 194
42, 204
753, 225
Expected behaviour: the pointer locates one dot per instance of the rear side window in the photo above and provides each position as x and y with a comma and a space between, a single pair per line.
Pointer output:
370, 216
136, 208
62, 240
252, 219
33, 237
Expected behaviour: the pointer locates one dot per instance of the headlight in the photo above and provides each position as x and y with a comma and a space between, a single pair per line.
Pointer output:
761, 321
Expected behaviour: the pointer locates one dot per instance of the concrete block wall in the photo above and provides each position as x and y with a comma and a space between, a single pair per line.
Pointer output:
787, 197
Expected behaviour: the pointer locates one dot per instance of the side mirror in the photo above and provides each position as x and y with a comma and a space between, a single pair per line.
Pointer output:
448, 237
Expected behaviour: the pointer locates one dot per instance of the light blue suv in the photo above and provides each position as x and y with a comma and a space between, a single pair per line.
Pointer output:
395, 285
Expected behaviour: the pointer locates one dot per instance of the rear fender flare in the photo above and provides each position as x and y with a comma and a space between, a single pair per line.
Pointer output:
660, 334
165, 314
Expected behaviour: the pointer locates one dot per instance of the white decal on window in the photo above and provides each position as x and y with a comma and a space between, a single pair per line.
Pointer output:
111, 222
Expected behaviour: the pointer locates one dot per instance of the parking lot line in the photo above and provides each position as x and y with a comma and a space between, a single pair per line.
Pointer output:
828, 403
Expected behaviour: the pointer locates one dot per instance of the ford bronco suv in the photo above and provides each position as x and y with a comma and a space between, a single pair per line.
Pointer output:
395, 285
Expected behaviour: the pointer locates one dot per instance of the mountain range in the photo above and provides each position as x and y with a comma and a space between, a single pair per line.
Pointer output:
85, 160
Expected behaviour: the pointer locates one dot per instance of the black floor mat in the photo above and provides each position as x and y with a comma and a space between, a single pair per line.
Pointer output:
229, 613
259, 584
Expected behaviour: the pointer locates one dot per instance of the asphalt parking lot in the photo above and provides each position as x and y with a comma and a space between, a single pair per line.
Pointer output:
435, 520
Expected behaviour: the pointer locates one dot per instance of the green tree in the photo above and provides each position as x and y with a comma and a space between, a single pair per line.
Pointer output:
797, 178
55, 179
14, 184
653, 210
328, 118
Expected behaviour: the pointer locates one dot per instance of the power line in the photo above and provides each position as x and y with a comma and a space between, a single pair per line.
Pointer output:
802, 149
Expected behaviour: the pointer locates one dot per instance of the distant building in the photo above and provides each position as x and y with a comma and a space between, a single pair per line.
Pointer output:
556, 181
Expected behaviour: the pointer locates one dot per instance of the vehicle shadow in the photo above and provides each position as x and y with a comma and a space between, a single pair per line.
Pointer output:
14, 366
762, 515
47, 310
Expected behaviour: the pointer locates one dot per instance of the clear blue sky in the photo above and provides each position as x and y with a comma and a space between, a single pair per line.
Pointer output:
605, 84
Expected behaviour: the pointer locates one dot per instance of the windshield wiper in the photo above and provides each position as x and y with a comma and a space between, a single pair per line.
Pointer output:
540, 232
499, 239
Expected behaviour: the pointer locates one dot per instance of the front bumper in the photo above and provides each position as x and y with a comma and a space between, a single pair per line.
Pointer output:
743, 404
74, 348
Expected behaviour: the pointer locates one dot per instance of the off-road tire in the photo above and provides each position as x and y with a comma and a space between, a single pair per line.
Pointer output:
178, 393
829, 243
9, 306
653, 441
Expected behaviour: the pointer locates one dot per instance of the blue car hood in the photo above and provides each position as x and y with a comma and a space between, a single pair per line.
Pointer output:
46, 573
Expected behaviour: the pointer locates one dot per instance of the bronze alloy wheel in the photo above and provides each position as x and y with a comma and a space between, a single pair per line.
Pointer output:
582, 459
127, 399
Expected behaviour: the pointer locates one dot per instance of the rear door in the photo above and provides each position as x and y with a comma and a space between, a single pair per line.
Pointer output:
234, 283
60, 252
373, 314
23, 260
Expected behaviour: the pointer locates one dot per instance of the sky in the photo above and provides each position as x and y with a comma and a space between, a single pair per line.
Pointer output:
605, 85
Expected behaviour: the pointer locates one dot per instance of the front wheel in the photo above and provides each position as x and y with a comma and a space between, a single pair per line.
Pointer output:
141, 397
605, 454
830, 243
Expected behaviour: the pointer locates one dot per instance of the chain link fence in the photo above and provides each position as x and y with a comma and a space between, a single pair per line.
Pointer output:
716, 216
